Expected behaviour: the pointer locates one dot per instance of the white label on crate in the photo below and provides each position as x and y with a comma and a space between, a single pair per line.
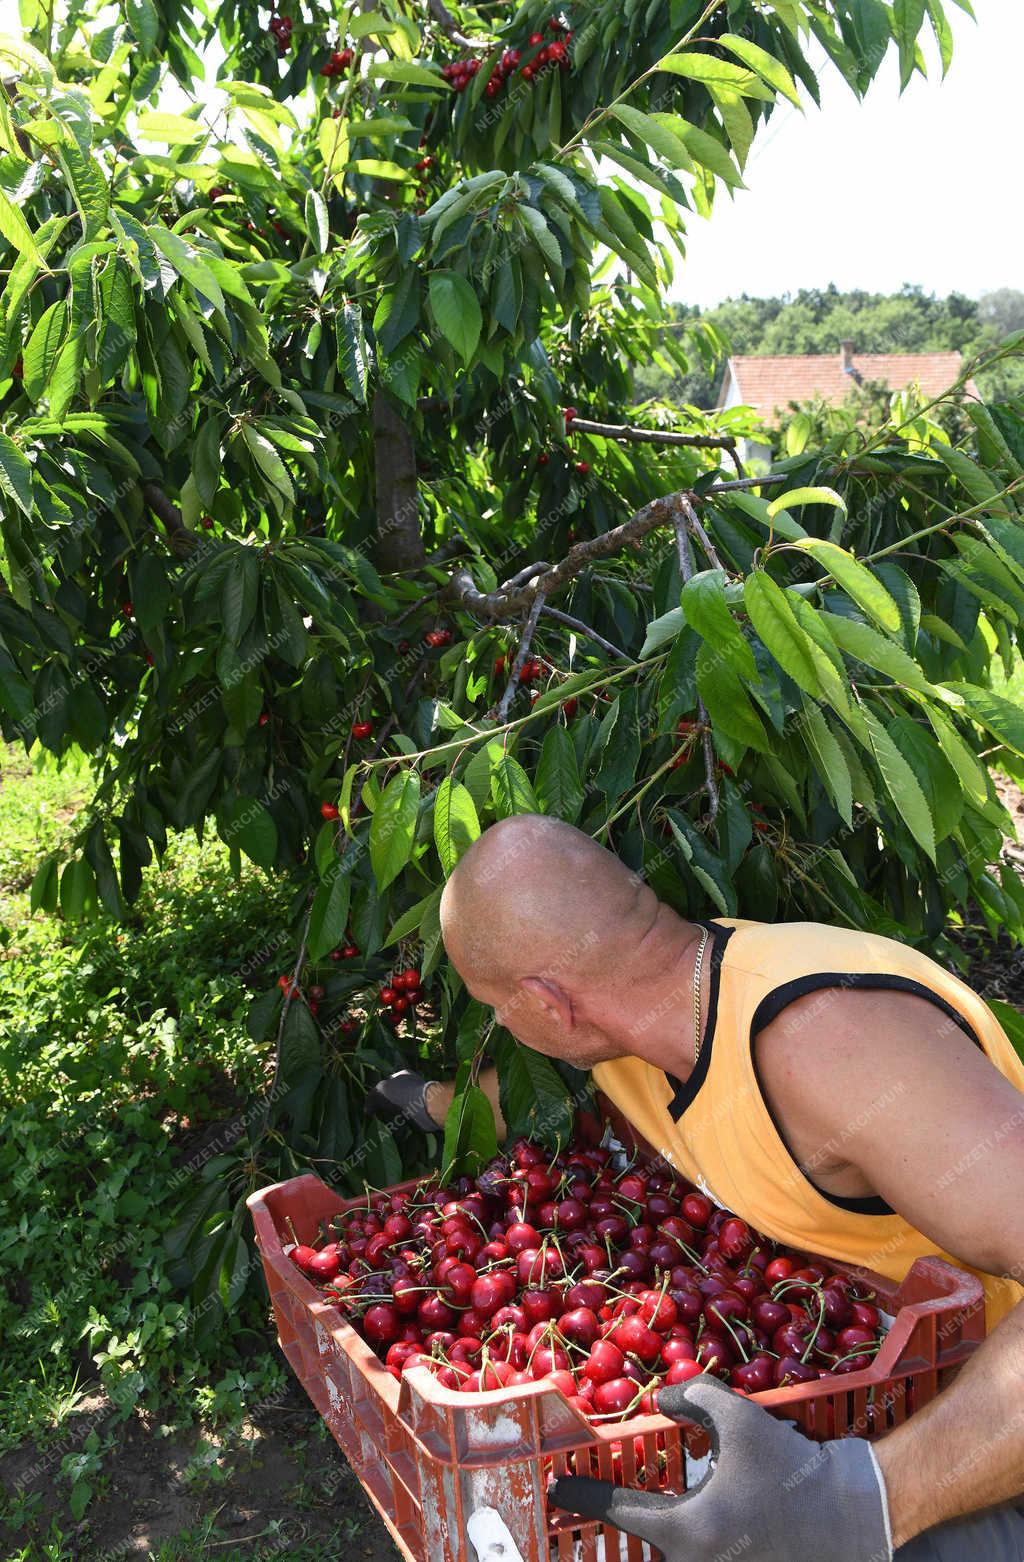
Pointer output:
491, 1539
328, 1351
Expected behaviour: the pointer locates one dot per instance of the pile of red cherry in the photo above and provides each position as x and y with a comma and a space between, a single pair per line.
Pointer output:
606, 1285
461, 72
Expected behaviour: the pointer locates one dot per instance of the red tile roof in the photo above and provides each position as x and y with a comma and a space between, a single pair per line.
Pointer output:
771, 383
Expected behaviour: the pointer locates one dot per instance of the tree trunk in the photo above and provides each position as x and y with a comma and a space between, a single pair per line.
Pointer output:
399, 540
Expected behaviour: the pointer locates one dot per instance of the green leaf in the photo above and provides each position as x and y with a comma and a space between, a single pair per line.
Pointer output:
43, 894
456, 309
902, 785
727, 702
269, 462
456, 825
660, 630
239, 593
300, 1040
868, 646
703, 601
248, 825
44, 347
151, 591
144, 21
766, 65
964, 761
15, 474
330, 913
393, 828
829, 761
511, 789
558, 784
801, 496
406, 71
77, 889
187, 263
170, 129
655, 133
317, 223
714, 72
470, 1137
353, 356
777, 627
857, 581
410, 920
17, 231
1012, 1022
534, 1098
1003, 718
707, 868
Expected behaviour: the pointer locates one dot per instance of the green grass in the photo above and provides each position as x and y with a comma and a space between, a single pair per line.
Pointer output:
119, 1044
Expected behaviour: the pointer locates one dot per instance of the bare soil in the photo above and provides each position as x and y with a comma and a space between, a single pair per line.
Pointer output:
280, 1487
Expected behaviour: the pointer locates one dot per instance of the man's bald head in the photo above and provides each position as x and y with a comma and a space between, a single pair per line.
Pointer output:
535, 906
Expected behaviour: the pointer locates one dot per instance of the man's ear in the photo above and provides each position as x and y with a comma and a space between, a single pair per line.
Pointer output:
554, 1000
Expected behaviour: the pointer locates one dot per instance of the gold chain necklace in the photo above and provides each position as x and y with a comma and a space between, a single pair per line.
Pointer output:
697, 967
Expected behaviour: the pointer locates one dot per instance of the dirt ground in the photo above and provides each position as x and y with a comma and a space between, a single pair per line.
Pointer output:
279, 1489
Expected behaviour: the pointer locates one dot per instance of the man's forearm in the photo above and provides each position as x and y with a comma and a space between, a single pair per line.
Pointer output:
965, 1450
441, 1093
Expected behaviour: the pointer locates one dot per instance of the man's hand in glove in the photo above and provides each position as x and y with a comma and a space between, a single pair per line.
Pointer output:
403, 1095
772, 1495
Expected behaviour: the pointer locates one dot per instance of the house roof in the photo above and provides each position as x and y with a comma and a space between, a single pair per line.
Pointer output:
771, 383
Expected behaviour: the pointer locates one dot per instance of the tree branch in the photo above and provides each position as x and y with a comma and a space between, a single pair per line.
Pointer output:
627, 433
584, 629
683, 512
399, 538
517, 665
502, 604
446, 21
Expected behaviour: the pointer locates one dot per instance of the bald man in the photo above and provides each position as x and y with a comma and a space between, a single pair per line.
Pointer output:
840, 1091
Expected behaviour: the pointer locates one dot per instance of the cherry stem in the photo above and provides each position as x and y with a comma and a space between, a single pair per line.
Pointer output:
732, 1331
817, 1326
291, 1231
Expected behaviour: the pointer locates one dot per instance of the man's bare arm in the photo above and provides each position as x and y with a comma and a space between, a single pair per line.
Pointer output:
441, 1093
939, 1134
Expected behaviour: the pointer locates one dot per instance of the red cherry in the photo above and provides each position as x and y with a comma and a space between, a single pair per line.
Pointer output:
568, 412
381, 1323
697, 1209
328, 811
387, 996
683, 1371
263, 719
303, 1256
536, 38
754, 1375
583, 467
778, 1269
362, 729
635, 1338
615, 1396
128, 609
789, 1369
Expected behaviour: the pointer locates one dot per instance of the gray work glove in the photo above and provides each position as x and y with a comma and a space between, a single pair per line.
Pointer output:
771, 1496
402, 1095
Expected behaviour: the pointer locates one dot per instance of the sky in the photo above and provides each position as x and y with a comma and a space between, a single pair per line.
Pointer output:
921, 188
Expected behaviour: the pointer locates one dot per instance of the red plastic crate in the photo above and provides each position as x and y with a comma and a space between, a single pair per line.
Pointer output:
429, 1457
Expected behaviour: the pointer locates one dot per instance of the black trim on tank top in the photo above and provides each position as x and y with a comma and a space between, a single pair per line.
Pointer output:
772, 1005
685, 1090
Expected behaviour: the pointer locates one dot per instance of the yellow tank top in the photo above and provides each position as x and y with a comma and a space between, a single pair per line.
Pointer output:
716, 1127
